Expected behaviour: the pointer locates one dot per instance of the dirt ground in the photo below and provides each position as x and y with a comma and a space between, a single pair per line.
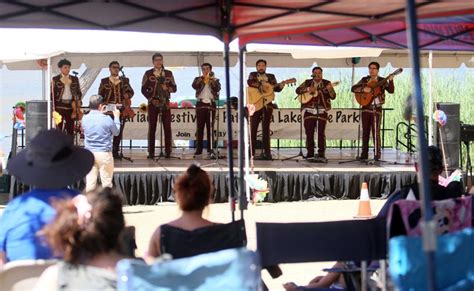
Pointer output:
147, 218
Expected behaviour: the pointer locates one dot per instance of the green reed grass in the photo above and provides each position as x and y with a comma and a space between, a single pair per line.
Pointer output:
449, 85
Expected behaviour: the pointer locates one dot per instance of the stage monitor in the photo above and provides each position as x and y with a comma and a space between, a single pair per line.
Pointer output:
36, 118
449, 134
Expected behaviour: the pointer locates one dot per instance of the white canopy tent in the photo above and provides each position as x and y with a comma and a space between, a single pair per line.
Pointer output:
22, 48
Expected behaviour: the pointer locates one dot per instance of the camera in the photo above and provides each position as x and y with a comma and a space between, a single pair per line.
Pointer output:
110, 107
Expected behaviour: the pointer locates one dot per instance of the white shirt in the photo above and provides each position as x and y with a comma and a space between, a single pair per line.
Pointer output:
376, 100
67, 95
206, 94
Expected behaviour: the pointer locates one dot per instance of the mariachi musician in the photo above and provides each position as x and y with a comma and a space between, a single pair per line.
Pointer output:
314, 108
66, 96
372, 112
157, 86
260, 79
207, 92
117, 90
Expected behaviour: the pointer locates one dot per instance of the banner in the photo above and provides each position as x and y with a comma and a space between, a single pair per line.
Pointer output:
342, 124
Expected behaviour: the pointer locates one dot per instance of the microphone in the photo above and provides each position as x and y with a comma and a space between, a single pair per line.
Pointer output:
75, 73
120, 69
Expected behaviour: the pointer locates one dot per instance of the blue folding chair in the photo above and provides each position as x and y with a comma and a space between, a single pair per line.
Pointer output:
454, 260
232, 269
351, 240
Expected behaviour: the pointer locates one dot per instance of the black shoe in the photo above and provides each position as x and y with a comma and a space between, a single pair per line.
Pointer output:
320, 158
117, 156
198, 153
167, 155
363, 158
266, 158
150, 157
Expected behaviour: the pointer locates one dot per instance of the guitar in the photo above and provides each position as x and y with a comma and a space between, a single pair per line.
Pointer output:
365, 99
261, 97
307, 96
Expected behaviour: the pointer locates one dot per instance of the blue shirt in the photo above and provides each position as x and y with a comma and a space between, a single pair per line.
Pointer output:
99, 130
23, 217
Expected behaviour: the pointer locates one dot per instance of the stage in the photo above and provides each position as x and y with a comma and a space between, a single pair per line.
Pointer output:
149, 182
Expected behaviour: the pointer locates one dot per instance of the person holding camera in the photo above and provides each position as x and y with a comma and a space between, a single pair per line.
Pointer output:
99, 130
157, 86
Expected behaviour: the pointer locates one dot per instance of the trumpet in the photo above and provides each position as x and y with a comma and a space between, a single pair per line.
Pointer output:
208, 77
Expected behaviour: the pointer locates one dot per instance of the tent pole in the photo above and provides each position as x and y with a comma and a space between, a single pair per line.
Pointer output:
352, 82
230, 155
227, 36
47, 90
43, 78
428, 226
246, 128
242, 184
430, 99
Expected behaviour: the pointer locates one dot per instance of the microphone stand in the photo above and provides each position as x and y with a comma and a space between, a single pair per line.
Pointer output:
300, 154
76, 120
122, 120
215, 135
357, 157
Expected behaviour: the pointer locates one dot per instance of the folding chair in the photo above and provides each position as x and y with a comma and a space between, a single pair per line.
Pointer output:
181, 243
351, 240
22, 274
231, 269
127, 242
450, 214
454, 259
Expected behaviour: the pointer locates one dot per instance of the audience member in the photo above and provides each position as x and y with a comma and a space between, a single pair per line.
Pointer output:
438, 192
332, 280
86, 234
99, 130
48, 164
193, 193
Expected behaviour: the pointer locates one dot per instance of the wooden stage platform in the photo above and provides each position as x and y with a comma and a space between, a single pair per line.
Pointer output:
148, 182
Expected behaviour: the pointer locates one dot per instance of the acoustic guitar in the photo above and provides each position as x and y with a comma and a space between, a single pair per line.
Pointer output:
365, 99
307, 96
261, 97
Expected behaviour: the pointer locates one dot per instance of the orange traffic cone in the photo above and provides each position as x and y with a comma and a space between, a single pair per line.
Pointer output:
364, 203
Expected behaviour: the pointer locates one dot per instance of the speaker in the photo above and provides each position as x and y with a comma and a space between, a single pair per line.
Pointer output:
36, 118
448, 136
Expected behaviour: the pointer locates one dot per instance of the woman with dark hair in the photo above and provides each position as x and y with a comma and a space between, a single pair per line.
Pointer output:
193, 193
86, 234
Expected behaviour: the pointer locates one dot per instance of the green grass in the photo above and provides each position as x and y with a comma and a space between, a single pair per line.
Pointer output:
449, 85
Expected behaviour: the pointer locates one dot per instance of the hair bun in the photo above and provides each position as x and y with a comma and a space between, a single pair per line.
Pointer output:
193, 170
